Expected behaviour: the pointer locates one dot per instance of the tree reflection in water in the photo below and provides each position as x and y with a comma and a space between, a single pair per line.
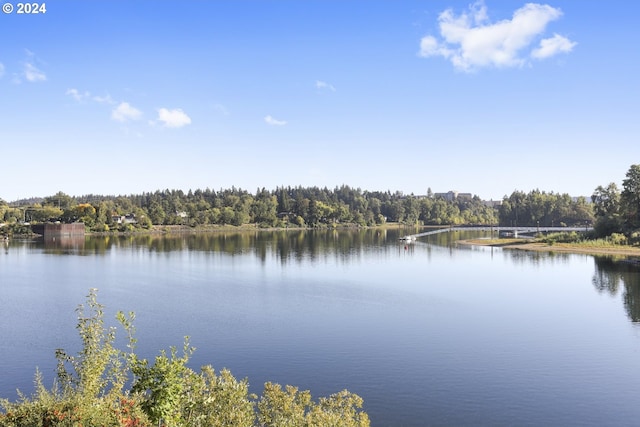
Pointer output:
611, 273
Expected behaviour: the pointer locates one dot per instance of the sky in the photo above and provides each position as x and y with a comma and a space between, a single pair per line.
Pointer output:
488, 97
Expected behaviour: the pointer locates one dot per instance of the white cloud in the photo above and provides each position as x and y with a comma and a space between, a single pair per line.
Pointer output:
324, 85
77, 95
471, 42
104, 99
1, 70
125, 112
273, 122
175, 118
29, 72
553, 46
33, 74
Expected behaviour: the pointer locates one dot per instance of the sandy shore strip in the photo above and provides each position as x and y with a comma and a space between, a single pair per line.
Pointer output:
630, 251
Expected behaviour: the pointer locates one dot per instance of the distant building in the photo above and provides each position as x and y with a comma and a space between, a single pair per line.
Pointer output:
124, 219
492, 203
450, 196
586, 199
58, 229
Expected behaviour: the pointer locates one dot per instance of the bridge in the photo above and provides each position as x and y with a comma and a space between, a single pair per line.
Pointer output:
515, 230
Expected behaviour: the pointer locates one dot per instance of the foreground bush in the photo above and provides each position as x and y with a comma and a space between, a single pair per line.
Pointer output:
90, 390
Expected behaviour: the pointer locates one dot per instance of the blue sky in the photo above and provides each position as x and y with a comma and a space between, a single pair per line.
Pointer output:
122, 97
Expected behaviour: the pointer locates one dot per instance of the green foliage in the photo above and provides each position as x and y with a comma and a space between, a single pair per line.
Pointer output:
162, 385
89, 387
293, 408
605, 225
90, 390
60, 200
218, 400
11, 215
618, 239
630, 198
615, 239
286, 407
42, 213
606, 200
538, 208
618, 212
301, 206
339, 409
552, 238
16, 229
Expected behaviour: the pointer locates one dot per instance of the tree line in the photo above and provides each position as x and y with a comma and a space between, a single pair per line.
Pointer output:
282, 207
611, 211
538, 208
618, 211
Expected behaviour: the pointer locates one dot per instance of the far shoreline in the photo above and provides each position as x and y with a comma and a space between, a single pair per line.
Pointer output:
508, 243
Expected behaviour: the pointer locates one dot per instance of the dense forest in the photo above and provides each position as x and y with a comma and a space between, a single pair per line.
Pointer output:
296, 207
611, 210
282, 207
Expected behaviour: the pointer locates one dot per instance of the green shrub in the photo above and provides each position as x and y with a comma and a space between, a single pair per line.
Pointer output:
634, 238
90, 390
563, 237
290, 407
618, 239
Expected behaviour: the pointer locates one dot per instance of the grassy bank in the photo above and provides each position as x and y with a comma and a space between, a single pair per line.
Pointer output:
584, 247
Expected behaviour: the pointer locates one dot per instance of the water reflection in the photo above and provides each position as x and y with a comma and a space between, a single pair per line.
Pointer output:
64, 244
539, 258
611, 272
611, 275
285, 245
451, 242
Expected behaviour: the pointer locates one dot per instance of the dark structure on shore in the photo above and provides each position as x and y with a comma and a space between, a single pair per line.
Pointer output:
59, 230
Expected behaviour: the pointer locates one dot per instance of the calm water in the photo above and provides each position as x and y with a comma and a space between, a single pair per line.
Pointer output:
428, 334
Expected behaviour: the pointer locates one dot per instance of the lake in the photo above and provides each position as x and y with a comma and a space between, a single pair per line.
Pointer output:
429, 334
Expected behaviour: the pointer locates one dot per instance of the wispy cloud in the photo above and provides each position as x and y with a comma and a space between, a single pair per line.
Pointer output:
30, 72
84, 96
33, 74
273, 122
221, 109
77, 95
125, 112
1, 70
471, 42
104, 99
320, 85
175, 118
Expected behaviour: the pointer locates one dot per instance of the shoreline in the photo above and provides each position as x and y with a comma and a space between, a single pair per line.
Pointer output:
518, 244
185, 229
627, 251
203, 229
